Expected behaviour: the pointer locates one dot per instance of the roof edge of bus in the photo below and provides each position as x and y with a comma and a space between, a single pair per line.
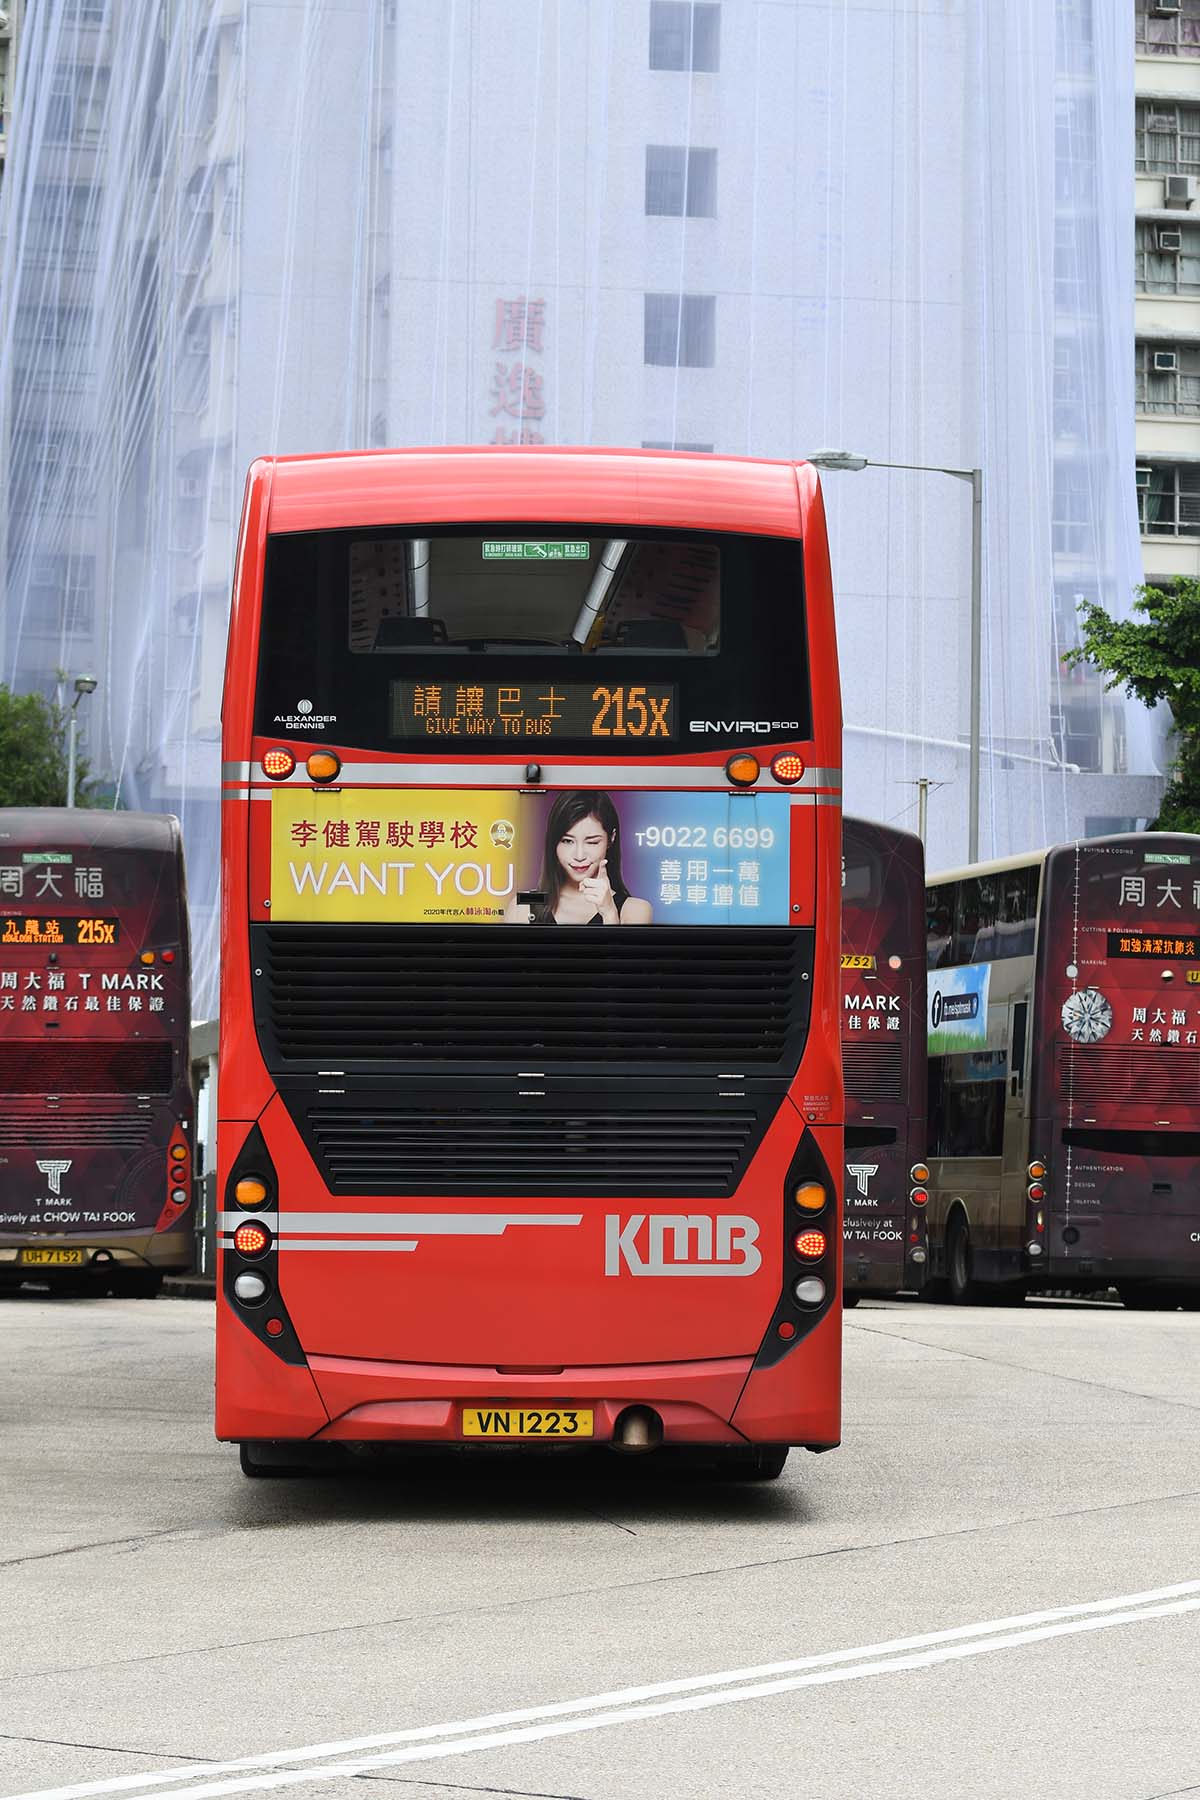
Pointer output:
528, 450
1030, 858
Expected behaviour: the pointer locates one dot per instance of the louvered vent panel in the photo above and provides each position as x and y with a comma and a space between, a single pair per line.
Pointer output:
32, 1125
94, 1067
1149, 1079
472, 1149
428, 994
873, 1071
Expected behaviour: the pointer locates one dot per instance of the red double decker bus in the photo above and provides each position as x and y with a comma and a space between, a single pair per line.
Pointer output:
530, 985
883, 1058
95, 1084
1064, 1102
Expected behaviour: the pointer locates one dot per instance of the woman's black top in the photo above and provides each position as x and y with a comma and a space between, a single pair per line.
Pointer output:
620, 896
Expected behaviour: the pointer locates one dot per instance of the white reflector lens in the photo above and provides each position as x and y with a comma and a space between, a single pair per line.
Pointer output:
1034, 1248
810, 1291
179, 1195
250, 1288
917, 1256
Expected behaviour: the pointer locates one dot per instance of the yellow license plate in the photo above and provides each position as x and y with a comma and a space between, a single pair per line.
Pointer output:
526, 1422
54, 1259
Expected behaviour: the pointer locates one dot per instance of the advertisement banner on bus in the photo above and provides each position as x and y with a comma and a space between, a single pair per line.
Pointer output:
486, 856
958, 1009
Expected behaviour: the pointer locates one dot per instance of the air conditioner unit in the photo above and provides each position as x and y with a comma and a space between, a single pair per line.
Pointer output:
1142, 476
1168, 239
1167, 9
1177, 190
1164, 362
1160, 122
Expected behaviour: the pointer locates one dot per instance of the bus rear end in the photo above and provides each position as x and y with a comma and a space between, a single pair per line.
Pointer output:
883, 1058
1114, 1175
95, 1084
529, 1078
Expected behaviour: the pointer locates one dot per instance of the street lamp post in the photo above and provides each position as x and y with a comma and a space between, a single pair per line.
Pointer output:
847, 460
84, 684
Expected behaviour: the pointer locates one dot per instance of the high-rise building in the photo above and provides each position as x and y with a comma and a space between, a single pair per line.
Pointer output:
1167, 318
233, 227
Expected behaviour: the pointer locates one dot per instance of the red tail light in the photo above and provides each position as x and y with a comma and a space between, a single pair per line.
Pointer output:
278, 764
251, 1239
809, 1244
787, 767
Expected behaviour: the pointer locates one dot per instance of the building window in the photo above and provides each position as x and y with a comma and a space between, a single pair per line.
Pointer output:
1168, 378
1169, 499
686, 36
674, 444
681, 182
1168, 138
1167, 33
1168, 258
61, 593
680, 330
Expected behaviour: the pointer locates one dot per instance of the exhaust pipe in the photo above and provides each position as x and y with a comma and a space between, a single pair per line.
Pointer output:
637, 1430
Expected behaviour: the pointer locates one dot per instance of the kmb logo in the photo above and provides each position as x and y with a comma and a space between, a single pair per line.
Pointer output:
681, 1244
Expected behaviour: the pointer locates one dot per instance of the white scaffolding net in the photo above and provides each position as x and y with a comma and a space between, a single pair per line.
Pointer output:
232, 227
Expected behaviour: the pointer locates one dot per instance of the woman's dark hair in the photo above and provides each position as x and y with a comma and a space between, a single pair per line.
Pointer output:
566, 812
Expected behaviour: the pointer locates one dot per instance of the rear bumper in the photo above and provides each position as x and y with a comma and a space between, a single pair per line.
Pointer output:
335, 1399
162, 1252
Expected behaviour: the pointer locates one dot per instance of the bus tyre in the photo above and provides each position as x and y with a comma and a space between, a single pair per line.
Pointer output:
262, 1460
849, 1300
138, 1284
1135, 1297
759, 1462
958, 1261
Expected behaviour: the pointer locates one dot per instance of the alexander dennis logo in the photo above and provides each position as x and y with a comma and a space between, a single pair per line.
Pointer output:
862, 1173
681, 1244
54, 1172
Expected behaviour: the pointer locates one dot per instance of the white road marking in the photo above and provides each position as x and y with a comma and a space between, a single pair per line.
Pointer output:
692, 1694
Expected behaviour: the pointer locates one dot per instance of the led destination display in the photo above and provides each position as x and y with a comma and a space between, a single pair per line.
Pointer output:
539, 709
87, 934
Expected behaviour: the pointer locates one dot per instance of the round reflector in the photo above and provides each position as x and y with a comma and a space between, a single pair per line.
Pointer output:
1036, 1191
250, 1288
919, 1196
787, 767
895, 962
278, 764
919, 1173
323, 765
917, 1256
785, 1329
251, 1239
250, 1191
809, 1244
1037, 1171
178, 1152
179, 1195
743, 770
809, 1290
274, 1327
810, 1196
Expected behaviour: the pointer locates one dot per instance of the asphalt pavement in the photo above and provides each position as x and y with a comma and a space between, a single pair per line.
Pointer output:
992, 1589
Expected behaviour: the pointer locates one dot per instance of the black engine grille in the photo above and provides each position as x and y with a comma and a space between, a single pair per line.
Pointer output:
872, 1071
553, 1149
429, 994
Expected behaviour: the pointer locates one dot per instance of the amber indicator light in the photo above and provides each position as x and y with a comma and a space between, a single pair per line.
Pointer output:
278, 764
250, 1191
809, 1244
811, 1197
323, 765
178, 1152
251, 1239
1037, 1171
787, 767
147, 956
743, 770
919, 1172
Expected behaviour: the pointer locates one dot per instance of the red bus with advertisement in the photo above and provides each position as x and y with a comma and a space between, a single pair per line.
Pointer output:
1064, 1101
96, 1131
484, 1146
883, 1059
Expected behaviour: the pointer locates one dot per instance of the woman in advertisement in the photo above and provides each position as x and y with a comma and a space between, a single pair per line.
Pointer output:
581, 868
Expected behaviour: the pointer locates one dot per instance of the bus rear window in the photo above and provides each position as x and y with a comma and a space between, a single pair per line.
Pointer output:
578, 595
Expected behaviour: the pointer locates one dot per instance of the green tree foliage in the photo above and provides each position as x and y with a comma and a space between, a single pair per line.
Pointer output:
33, 753
1157, 657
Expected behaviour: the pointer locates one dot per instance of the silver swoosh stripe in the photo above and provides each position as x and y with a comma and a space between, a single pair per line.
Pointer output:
289, 1245
510, 775
369, 1224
